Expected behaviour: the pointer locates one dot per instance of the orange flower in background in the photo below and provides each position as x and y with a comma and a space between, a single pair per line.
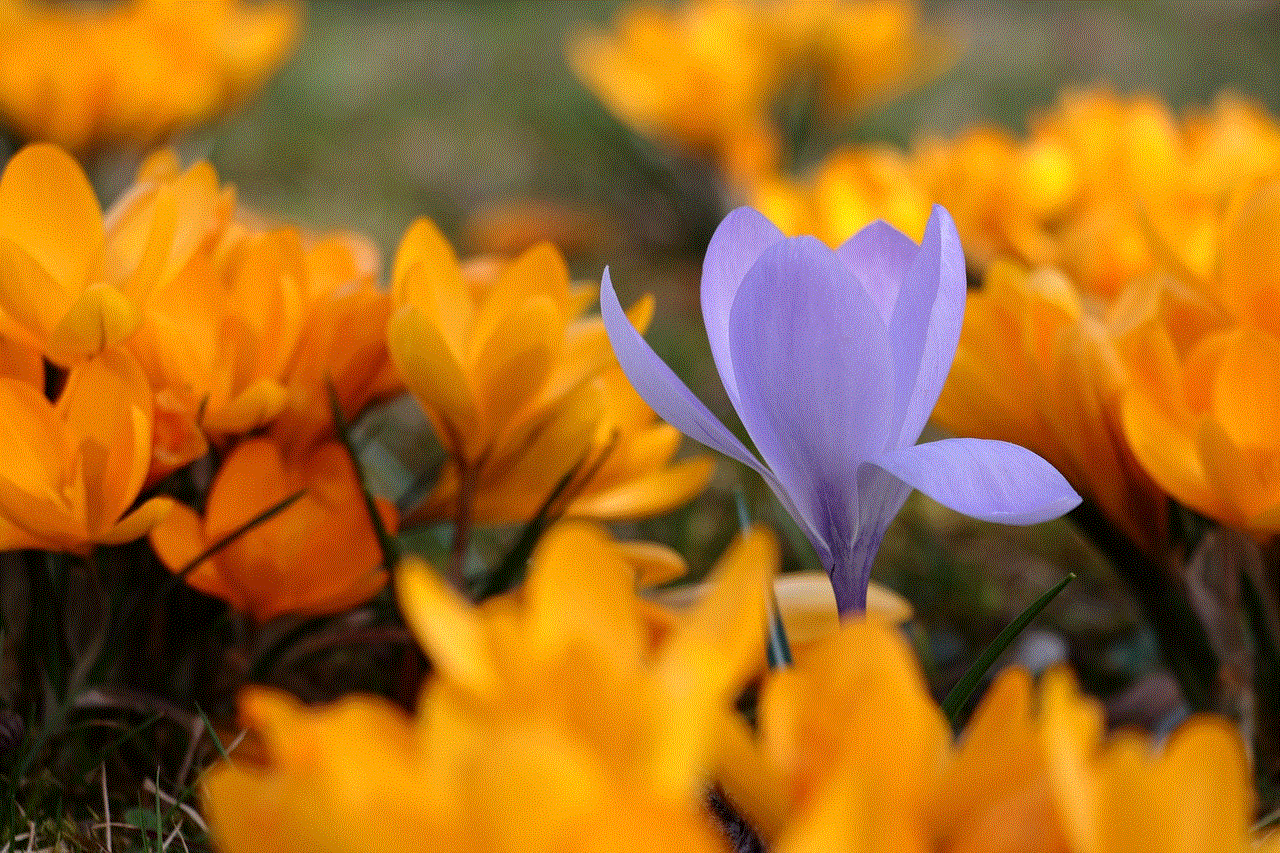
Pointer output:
318, 555
657, 65
519, 389
53, 288
1108, 189
858, 53
343, 341
550, 721
220, 336
72, 470
1038, 367
1204, 425
143, 71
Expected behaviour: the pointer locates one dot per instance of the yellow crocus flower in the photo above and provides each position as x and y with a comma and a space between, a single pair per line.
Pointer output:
53, 286
851, 753
143, 71
73, 469
520, 388
551, 721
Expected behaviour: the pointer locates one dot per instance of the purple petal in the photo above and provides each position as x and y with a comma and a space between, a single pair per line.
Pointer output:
812, 360
661, 388
990, 480
734, 248
880, 255
925, 328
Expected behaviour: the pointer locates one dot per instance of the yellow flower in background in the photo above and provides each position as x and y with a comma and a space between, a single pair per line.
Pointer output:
852, 754
53, 288
72, 470
1106, 188
142, 71
551, 721
1204, 425
520, 389
851, 187
318, 555
857, 53
656, 66
1036, 366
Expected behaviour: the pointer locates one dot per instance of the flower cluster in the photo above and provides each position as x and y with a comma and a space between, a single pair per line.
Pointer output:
142, 71
558, 719
564, 716
193, 324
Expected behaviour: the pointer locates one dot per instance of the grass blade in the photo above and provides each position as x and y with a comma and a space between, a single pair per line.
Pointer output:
959, 695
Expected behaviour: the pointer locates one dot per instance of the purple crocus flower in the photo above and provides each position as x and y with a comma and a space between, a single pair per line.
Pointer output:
834, 361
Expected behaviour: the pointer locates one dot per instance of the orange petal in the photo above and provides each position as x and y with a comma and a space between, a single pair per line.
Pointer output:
107, 406
139, 523
448, 628
426, 274
48, 208
1246, 390
39, 491
653, 493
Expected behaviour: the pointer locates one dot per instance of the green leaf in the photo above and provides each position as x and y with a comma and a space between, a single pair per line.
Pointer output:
959, 695
507, 574
388, 543
141, 818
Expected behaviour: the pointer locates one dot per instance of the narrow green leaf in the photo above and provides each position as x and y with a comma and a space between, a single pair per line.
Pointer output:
959, 695
508, 573
778, 650
388, 543
269, 512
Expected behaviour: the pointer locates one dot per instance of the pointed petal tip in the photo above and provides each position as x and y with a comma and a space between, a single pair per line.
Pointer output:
984, 479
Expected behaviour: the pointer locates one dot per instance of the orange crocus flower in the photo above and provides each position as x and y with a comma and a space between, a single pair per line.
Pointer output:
73, 469
318, 555
851, 753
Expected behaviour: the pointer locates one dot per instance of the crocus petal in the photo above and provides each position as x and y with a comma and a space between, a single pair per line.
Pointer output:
663, 390
925, 327
449, 630
988, 480
737, 244
810, 351
879, 255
